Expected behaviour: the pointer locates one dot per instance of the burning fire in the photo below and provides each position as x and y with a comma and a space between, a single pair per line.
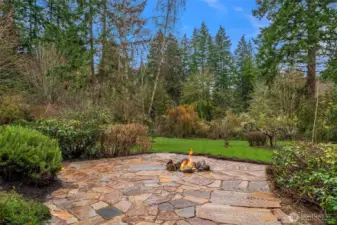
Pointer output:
187, 162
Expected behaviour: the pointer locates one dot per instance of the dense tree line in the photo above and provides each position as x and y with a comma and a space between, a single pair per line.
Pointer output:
202, 70
100, 56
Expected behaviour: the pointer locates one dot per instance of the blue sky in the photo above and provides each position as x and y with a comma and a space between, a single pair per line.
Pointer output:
234, 15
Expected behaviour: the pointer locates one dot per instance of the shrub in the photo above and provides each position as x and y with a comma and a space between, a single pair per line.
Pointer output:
225, 128
309, 172
121, 139
202, 129
15, 210
28, 154
12, 107
75, 138
88, 112
181, 121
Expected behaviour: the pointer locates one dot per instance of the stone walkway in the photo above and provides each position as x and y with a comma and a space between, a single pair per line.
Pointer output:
138, 190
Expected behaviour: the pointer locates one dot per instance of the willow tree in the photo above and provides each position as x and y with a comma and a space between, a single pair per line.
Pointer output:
297, 36
169, 10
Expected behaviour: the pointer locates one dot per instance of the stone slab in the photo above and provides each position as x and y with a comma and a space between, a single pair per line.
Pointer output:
83, 212
236, 215
109, 212
186, 212
198, 221
166, 207
183, 203
254, 200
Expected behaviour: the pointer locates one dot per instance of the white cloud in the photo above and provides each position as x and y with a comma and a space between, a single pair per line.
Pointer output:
214, 4
238, 9
256, 24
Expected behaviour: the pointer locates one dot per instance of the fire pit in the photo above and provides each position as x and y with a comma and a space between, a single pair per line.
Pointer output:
187, 165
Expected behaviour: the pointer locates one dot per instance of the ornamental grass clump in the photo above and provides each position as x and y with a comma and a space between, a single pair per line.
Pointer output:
123, 139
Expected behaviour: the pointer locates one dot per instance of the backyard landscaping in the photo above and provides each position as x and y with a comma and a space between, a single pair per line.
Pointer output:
129, 112
235, 150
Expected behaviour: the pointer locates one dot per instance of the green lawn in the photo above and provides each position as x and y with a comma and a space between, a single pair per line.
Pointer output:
236, 149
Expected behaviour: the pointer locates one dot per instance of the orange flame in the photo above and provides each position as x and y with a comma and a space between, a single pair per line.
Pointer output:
187, 162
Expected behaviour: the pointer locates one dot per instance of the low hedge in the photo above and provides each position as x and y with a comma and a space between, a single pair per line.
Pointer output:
76, 139
27, 154
16, 210
309, 172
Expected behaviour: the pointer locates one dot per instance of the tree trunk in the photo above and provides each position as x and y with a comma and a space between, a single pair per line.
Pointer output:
312, 30
102, 64
92, 62
271, 140
104, 34
162, 46
311, 76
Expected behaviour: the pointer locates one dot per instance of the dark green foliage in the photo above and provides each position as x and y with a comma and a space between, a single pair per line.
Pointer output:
173, 70
15, 210
27, 154
222, 65
300, 33
245, 74
256, 138
75, 138
309, 172
326, 120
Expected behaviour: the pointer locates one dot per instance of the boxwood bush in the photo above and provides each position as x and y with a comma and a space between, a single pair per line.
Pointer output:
27, 154
75, 138
309, 172
15, 210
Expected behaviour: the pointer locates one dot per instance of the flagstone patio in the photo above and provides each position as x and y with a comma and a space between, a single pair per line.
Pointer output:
138, 190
